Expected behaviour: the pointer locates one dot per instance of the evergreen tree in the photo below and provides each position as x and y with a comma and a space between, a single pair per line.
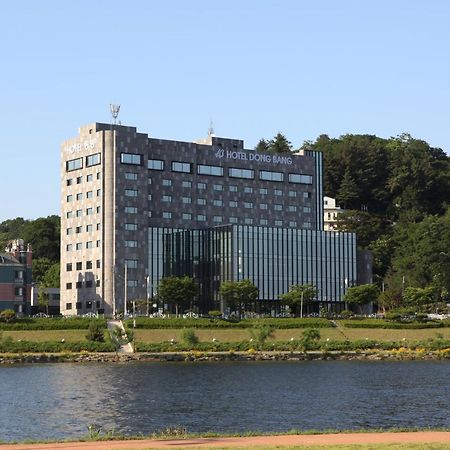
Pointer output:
279, 144
262, 146
347, 195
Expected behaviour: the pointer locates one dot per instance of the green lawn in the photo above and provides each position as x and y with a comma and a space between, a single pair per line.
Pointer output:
47, 335
236, 335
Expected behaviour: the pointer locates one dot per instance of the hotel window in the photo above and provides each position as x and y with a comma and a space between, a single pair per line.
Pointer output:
99, 175
97, 264
306, 209
69, 305
263, 221
181, 167
201, 201
278, 192
306, 194
69, 247
201, 217
293, 224
131, 210
69, 198
131, 193
69, 231
232, 204
306, 225
69, 286
89, 177
79, 196
131, 244
167, 215
201, 186
167, 182
248, 221
217, 202
69, 182
248, 205
131, 226
78, 246
277, 207
292, 194
187, 216
78, 229
263, 206
131, 263
69, 267
79, 265
300, 178
97, 243
74, 164
217, 219
79, 180
263, 191
155, 164
186, 200
132, 283
248, 189
233, 220
78, 305
278, 223
270, 176
89, 194
292, 208
79, 213
88, 265
131, 158
79, 285
241, 173
93, 160
89, 211
186, 184
99, 192
149, 181
217, 187
88, 228
203, 169
166, 198
149, 196
97, 284
69, 214
131, 176
232, 188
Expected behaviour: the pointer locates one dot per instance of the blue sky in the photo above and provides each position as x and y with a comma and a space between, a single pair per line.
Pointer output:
254, 67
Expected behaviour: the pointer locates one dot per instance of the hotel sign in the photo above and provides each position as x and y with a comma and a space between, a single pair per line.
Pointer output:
80, 146
249, 156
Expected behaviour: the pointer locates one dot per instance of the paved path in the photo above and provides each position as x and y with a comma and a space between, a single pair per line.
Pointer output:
305, 440
125, 348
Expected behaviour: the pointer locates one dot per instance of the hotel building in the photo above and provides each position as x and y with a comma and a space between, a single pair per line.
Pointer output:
135, 209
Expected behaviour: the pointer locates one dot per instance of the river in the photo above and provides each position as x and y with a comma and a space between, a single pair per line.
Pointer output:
50, 401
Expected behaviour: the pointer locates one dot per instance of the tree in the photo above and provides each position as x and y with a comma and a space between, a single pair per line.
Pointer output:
178, 291
262, 146
279, 144
238, 295
298, 296
95, 333
361, 295
348, 191
7, 315
40, 267
52, 276
43, 297
418, 297
260, 333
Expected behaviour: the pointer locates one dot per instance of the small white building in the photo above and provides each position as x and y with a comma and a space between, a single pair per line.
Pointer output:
330, 213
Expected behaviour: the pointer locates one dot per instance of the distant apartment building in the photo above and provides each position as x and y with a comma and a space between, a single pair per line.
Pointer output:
330, 213
16, 277
135, 209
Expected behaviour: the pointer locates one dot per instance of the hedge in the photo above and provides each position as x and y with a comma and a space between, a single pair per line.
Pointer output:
75, 323
378, 323
279, 323
10, 346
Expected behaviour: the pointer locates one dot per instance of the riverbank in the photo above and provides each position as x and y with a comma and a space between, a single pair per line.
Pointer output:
335, 440
198, 356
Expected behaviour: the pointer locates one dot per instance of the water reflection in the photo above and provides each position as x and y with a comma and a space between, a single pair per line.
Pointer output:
60, 400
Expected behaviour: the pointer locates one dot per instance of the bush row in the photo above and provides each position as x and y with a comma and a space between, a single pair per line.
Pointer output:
10, 346
297, 345
279, 323
76, 323
378, 323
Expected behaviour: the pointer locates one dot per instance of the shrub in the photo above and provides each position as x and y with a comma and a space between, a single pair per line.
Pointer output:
7, 315
54, 323
189, 337
95, 333
260, 333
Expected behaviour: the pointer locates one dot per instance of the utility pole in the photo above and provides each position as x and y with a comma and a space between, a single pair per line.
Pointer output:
125, 291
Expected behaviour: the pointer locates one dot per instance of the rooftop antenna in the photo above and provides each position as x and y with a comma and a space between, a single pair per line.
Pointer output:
114, 112
211, 128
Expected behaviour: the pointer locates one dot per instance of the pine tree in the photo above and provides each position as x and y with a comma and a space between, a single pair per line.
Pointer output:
348, 191
279, 144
